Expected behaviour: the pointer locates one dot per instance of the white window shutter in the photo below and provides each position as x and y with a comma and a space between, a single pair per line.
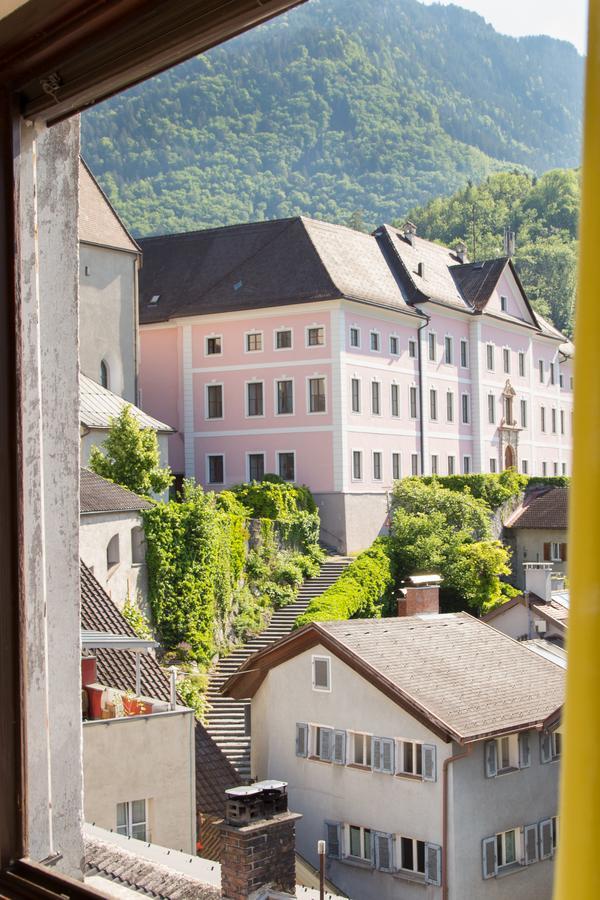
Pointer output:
339, 747
376, 754
301, 739
546, 839
490, 751
387, 756
530, 841
524, 750
383, 851
433, 864
429, 762
545, 747
490, 857
333, 838
326, 744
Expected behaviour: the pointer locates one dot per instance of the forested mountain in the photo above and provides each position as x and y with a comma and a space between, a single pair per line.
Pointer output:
338, 106
543, 213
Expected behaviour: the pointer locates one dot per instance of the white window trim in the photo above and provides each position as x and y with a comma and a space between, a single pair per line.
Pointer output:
436, 457
310, 328
393, 415
366, 740
254, 331
350, 344
413, 387
518, 846
206, 337
506, 350
522, 356
365, 860
414, 871
449, 337
414, 456
491, 409
467, 456
489, 368
327, 689
372, 332
130, 824
450, 419
282, 349
412, 343
246, 398
449, 457
372, 382
380, 479
432, 334
399, 455
466, 344
356, 412
310, 378
276, 397
362, 468
433, 392
278, 453
464, 421
208, 384
250, 453
395, 336
207, 468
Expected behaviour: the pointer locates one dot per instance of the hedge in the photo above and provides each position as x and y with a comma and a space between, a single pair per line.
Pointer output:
360, 591
493, 489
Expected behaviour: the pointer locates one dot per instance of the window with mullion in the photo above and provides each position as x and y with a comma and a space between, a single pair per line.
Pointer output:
285, 397
355, 391
376, 398
214, 398
255, 398
359, 842
316, 395
256, 466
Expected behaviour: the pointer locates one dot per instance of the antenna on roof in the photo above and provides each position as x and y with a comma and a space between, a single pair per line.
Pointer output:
509, 241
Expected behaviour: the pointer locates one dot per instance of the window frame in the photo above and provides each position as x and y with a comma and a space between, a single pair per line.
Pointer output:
521, 364
354, 329
395, 400
490, 356
278, 455
433, 405
465, 408
464, 353
213, 337
491, 398
506, 360
379, 454
394, 340
309, 379
208, 457
362, 841
414, 469
130, 824
355, 410
213, 384
310, 328
412, 348
467, 461
254, 333
396, 458
413, 395
319, 657
357, 454
448, 350
255, 382
374, 333
432, 346
276, 384
451, 465
250, 453
376, 397
449, 406
278, 331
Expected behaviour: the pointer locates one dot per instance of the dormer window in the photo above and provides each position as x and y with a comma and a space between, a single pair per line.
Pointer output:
504, 304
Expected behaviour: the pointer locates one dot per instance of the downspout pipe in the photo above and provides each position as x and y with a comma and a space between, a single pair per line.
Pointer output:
445, 767
426, 322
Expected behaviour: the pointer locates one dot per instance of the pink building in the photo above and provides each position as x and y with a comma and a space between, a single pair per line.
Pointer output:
345, 360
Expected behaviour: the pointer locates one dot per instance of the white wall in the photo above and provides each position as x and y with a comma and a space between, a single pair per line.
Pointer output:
126, 579
514, 622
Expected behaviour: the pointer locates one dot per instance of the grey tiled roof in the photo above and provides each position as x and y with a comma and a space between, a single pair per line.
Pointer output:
98, 221
548, 508
98, 406
476, 281
97, 494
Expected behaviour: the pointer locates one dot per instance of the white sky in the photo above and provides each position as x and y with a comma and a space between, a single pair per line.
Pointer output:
565, 19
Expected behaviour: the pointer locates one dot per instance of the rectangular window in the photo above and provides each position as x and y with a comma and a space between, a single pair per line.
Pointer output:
357, 465
414, 464
316, 336
525, 467
491, 409
543, 418
412, 855
321, 673
541, 370
322, 743
493, 465
377, 473
552, 373
359, 840
555, 468
394, 345
465, 408
506, 848
285, 398
361, 749
564, 468
431, 339
376, 398
450, 465
355, 387
283, 339
395, 399
286, 463
213, 346
506, 359
523, 413
316, 395
412, 349
215, 469
434, 464
254, 341
412, 395
466, 465
561, 380
409, 758
553, 419
433, 404
490, 357
256, 466
544, 469
214, 401
464, 354
562, 421
503, 303
522, 364
375, 341
450, 406
354, 337
255, 398
396, 469
131, 819
448, 350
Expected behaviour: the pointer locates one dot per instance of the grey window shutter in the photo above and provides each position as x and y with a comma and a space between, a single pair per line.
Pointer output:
383, 851
326, 744
490, 858
524, 750
491, 758
429, 763
387, 756
339, 747
433, 864
545, 747
376, 754
301, 739
333, 838
530, 840
546, 839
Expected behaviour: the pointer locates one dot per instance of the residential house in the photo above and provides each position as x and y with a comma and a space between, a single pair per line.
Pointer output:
542, 610
346, 360
537, 531
111, 538
423, 749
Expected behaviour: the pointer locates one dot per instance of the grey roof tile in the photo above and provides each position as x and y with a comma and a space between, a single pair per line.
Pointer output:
97, 494
98, 406
98, 221
546, 508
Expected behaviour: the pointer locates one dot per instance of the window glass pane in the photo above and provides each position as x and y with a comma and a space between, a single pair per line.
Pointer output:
287, 466
421, 856
509, 847
367, 750
408, 756
256, 466
406, 847
215, 401
255, 399
356, 464
367, 835
138, 811
359, 756
316, 337
254, 341
354, 841
394, 346
122, 817
138, 832
215, 469
321, 673
374, 340
418, 759
285, 397
412, 349
283, 340
316, 394
499, 850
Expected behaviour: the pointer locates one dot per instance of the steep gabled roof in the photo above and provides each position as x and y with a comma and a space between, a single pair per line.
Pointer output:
98, 222
461, 678
97, 495
545, 508
476, 280
98, 405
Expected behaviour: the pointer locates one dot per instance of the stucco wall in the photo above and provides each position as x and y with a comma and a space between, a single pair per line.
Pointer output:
126, 579
350, 522
143, 758
515, 622
528, 546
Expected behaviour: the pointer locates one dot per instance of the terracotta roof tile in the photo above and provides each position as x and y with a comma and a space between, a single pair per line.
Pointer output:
98, 221
97, 494
548, 508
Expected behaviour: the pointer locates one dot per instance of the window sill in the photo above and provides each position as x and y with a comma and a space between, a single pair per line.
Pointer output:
407, 875
508, 771
318, 759
410, 776
359, 766
356, 861
510, 870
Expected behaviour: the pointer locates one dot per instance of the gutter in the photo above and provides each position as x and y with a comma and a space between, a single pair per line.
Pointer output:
421, 415
445, 766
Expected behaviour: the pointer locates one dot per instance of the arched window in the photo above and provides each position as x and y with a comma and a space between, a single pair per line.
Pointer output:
113, 555
104, 374
138, 546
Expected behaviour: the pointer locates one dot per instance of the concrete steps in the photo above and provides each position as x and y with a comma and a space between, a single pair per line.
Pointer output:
226, 718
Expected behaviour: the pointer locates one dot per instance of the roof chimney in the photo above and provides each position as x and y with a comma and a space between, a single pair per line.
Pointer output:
509, 242
420, 595
259, 842
460, 251
409, 230
538, 579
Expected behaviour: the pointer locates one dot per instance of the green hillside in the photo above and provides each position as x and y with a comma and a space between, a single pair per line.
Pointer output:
338, 106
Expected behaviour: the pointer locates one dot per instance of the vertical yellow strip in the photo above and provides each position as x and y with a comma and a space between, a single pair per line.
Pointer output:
578, 870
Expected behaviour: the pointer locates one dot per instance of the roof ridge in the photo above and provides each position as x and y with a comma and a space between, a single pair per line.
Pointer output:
218, 228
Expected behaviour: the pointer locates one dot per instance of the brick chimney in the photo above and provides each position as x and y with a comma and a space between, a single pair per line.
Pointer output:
460, 251
259, 842
409, 231
421, 594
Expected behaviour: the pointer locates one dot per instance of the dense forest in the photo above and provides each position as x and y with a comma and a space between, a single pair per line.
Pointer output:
337, 107
543, 213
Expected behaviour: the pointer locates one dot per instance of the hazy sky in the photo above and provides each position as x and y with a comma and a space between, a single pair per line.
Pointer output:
565, 19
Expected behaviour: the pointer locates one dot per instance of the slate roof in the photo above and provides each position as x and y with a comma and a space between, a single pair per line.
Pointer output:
97, 495
214, 775
477, 280
460, 676
98, 406
547, 509
98, 221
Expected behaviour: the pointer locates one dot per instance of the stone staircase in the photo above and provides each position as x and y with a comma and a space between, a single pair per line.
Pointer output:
226, 719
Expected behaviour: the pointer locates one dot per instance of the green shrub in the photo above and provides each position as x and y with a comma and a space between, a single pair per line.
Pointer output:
192, 691
133, 614
551, 480
360, 591
493, 489
274, 499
